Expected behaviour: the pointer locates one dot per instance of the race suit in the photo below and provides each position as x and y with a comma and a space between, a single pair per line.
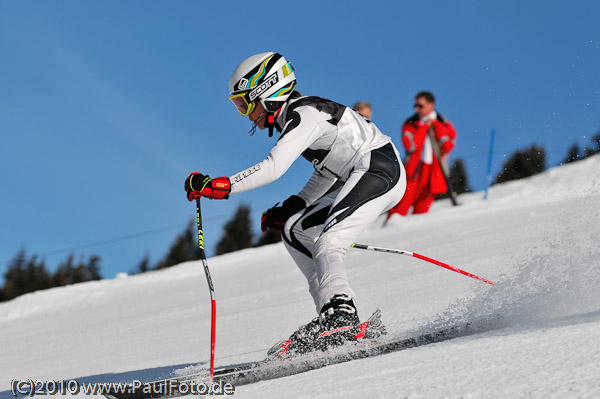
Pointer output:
358, 176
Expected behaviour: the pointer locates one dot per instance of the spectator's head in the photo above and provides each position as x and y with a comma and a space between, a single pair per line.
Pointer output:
364, 108
424, 103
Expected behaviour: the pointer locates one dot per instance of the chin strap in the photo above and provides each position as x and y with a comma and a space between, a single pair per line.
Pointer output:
253, 130
269, 122
254, 125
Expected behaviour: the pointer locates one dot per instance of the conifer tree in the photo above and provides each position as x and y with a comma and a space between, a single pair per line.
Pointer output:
573, 155
270, 237
93, 268
237, 233
24, 276
37, 276
458, 175
185, 248
523, 164
143, 266
458, 178
15, 282
595, 148
70, 273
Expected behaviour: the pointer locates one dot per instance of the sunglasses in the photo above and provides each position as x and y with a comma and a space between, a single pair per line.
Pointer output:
419, 106
242, 104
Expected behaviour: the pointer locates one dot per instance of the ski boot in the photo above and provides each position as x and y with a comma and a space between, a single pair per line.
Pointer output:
337, 324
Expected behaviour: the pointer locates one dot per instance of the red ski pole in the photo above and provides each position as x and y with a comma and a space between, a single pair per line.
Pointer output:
213, 323
418, 256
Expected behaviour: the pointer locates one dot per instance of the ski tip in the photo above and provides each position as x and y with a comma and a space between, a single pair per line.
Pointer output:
376, 315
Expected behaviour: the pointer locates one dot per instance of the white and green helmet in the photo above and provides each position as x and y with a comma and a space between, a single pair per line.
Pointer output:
266, 77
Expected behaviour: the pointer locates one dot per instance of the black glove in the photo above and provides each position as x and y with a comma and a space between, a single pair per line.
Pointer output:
275, 218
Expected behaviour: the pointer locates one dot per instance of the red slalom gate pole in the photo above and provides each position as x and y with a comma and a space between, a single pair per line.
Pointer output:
422, 257
213, 328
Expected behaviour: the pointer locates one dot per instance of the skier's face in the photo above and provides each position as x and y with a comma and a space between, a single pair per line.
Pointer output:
423, 107
258, 116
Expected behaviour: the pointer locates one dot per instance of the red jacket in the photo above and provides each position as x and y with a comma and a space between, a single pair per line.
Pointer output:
414, 133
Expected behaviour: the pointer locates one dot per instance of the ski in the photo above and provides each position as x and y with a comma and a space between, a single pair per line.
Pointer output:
271, 368
194, 384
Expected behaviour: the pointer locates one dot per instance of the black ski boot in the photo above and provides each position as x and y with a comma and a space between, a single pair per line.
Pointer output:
337, 323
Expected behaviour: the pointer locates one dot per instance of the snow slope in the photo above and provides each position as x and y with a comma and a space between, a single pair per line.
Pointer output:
538, 329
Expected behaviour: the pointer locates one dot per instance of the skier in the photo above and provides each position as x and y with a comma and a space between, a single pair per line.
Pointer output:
425, 175
358, 176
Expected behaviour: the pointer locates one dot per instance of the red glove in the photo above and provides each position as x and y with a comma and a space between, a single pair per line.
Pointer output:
199, 185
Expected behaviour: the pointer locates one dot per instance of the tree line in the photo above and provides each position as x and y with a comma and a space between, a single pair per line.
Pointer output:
521, 164
27, 274
237, 234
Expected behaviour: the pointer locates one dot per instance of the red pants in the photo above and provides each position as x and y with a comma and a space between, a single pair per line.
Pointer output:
418, 195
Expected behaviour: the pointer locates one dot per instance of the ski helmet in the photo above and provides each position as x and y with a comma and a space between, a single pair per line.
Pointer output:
266, 77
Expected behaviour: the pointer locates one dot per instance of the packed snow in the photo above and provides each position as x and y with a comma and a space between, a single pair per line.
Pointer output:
536, 332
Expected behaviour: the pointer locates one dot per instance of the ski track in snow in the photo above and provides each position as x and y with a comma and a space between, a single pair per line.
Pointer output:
533, 335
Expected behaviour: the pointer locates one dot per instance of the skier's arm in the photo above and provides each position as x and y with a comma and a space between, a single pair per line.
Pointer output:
446, 136
408, 138
286, 151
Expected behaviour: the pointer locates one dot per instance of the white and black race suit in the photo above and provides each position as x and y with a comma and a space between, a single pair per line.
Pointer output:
358, 176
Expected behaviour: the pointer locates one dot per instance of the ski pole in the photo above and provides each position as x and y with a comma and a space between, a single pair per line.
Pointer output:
213, 321
418, 256
443, 165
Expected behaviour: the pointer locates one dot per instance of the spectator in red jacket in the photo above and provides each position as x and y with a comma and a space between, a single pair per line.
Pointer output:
423, 170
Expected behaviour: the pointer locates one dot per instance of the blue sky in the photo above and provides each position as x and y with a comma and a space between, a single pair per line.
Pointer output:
106, 106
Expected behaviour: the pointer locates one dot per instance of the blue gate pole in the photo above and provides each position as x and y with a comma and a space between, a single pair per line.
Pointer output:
488, 177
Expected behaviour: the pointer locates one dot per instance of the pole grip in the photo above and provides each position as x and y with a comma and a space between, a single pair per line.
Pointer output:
443, 165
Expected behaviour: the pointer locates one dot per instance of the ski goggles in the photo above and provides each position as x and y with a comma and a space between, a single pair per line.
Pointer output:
240, 101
